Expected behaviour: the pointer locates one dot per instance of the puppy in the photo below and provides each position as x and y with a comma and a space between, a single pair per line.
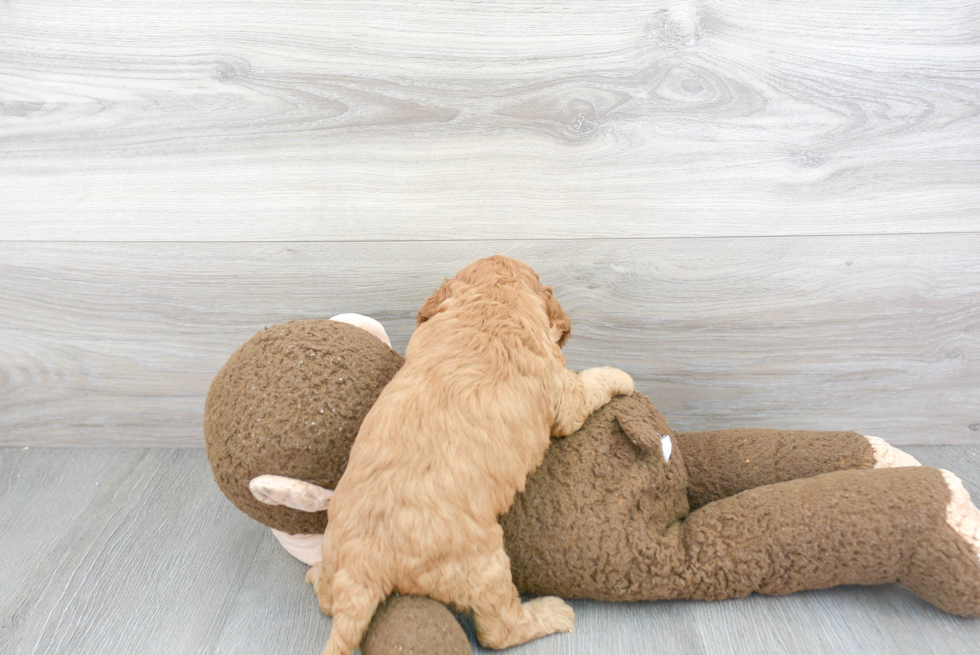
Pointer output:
443, 451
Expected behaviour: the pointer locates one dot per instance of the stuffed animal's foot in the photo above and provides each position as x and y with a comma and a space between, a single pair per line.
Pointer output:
945, 567
961, 514
887, 456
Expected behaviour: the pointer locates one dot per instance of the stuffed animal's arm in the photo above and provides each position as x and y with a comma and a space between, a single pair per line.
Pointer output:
722, 463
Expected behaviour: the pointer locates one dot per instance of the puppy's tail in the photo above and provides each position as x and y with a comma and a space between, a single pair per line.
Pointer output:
354, 603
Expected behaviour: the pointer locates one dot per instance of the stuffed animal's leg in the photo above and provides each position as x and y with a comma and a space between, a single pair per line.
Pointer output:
915, 526
722, 463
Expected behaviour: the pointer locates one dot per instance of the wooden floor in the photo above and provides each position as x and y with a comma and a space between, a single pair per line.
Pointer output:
136, 551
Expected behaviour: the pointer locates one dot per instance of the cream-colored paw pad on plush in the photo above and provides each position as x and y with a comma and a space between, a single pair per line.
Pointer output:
297, 494
961, 514
307, 548
887, 456
365, 323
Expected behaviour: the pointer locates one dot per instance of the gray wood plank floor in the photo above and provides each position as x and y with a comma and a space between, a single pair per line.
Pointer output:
136, 551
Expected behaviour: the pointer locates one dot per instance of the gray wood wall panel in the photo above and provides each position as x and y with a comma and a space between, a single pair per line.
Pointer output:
116, 343
768, 212
141, 120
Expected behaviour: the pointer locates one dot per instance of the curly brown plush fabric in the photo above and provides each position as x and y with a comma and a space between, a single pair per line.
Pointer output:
571, 529
289, 402
605, 517
723, 463
414, 625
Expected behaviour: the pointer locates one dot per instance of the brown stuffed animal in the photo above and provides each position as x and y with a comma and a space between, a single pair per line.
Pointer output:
625, 508
285, 408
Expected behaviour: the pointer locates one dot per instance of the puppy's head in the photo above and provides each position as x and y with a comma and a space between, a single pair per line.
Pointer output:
500, 271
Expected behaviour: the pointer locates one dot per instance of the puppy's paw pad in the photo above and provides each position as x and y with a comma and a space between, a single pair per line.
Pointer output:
553, 613
961, 514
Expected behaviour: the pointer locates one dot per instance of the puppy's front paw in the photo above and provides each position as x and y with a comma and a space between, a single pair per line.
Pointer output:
625, 387
620, 383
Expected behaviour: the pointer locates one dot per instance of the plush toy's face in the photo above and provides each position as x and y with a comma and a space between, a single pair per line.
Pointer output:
289, 403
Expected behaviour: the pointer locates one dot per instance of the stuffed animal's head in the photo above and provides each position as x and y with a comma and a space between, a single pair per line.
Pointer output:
289, 403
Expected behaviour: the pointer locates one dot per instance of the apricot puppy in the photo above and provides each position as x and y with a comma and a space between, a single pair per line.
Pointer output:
442, 452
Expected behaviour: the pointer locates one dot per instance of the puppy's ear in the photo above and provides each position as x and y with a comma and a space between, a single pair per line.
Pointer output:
560, 323
431, 306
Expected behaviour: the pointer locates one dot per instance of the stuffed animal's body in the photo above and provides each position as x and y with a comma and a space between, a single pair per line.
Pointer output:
627, 509
608, 517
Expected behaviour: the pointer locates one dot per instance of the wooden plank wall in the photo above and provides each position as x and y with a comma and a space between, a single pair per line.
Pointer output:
768, 212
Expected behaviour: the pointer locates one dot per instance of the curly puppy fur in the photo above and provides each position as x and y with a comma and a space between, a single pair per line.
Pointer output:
444, 449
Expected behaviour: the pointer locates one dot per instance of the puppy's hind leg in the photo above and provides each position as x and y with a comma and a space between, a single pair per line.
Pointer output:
501, 619
321, 574
322, 582
354, 603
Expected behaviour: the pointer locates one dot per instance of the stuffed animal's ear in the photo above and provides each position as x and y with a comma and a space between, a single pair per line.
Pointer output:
561, 325
293, 493
639, 431
365, 323
640, 426
431, 307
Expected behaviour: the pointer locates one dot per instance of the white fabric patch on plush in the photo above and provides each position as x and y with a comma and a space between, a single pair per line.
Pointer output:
307, 548
292, 493
889, 457
666, 445
961, 514
365, 323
